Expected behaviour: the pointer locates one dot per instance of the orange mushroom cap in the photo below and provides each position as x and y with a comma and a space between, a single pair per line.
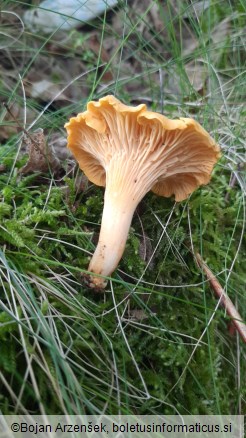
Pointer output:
131, 151
179, 153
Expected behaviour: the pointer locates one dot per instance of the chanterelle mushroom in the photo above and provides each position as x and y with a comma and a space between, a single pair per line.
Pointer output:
130, 151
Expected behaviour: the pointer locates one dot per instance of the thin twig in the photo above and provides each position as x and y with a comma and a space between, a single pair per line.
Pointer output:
20, 126
224, 299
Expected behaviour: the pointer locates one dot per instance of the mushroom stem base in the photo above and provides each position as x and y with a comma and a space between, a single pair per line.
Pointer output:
116, 221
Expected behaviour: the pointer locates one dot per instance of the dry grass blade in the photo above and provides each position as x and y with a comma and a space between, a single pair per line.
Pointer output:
224, 299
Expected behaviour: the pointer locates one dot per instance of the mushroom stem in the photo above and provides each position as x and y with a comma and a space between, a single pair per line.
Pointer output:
116, 220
